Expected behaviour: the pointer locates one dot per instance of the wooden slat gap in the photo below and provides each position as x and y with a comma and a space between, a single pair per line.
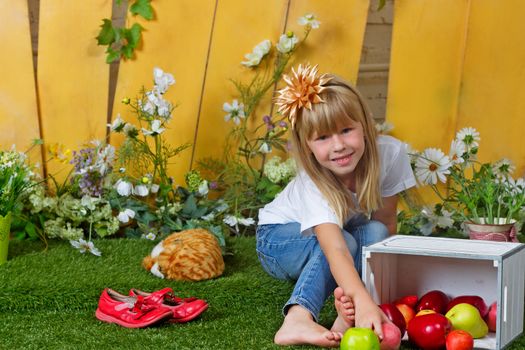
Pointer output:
203, 85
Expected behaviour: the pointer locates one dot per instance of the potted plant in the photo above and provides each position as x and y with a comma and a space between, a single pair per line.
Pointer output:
484, 196
15, 179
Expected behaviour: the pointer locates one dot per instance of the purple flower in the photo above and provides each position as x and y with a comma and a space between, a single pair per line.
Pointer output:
213, 185
267, 119
283, 124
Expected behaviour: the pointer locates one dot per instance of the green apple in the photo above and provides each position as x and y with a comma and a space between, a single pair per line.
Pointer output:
360, 339
467, 318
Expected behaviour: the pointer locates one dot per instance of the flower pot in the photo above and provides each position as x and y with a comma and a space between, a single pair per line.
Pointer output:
5, 228
504, 232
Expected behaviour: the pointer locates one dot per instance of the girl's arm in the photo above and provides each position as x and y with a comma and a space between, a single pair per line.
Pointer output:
367, 313
388, 213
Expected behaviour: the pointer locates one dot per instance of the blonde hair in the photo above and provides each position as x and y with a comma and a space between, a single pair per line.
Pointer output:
342, 103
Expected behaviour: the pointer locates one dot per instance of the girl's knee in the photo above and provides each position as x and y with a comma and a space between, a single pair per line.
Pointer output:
375, 232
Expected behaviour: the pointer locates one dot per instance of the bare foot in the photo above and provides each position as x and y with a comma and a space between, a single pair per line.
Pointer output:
345, 311
300, 328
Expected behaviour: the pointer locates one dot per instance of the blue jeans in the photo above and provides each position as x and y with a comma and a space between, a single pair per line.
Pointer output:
286, 254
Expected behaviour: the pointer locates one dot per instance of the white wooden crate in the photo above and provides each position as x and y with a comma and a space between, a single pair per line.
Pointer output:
403, 265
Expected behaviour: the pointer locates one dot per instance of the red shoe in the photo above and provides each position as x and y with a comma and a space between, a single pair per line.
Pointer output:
184, 309
128, 311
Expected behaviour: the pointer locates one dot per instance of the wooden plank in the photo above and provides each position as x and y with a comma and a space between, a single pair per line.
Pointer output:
426, 61
72, 73
239, 26
176, 41
18, 105
492, 94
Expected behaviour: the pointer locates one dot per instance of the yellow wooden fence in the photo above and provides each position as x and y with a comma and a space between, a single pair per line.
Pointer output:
454, 63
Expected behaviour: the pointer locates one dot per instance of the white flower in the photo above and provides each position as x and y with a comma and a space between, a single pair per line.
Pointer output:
252, 59
151, 236
126, 215
286, 42
84, 246
457, 150
118, 124
444, 220
503, 168
246, 221
141, 190
384, 127
162, 80
88, 202
235, 111
155, 128
129, 130
259, 51
265, 148
232, 220
203, 188
309, 20
432, 165
469, 137
124, 188
208, 217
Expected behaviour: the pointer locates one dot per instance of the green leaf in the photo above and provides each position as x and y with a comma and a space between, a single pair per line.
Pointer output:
127, 51
134, 35
107, 33
112, 55
142, 8
189, 206
31, 230
382, 4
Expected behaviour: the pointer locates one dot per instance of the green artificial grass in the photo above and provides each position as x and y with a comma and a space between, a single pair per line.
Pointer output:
48, 299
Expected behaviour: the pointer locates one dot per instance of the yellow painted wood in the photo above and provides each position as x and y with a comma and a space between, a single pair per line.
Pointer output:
492, 94
18, 105
72, 73
428, 42
239, 26
336, 45
176, 41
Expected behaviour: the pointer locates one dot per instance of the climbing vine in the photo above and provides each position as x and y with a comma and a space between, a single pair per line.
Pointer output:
122, 41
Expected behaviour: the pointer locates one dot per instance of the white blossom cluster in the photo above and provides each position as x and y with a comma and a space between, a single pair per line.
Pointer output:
277, 171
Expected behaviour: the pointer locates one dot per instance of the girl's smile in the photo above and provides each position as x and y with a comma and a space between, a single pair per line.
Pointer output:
339, 151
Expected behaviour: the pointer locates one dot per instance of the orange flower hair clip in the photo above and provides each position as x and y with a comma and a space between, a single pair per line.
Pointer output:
302, 91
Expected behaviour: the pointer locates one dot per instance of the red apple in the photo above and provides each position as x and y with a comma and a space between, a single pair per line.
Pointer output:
491, 317
459, 340
407, 312
394, 315
473, 300
428, 331
434, 300
391, 337
410, 300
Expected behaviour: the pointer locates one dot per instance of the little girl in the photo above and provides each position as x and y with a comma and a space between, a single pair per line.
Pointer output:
314, 230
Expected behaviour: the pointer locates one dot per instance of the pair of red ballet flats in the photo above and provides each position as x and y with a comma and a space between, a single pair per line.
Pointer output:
141, 309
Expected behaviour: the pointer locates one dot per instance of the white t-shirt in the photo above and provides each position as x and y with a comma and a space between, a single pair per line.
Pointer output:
302, 202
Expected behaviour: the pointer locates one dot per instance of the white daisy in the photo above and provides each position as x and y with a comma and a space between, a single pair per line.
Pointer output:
503, 168
84, 246
309, 20
432, 165
259, 51
235, 111
457, 150
469, 136
151, 236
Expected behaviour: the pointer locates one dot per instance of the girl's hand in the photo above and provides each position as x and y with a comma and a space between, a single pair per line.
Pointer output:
368, 314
